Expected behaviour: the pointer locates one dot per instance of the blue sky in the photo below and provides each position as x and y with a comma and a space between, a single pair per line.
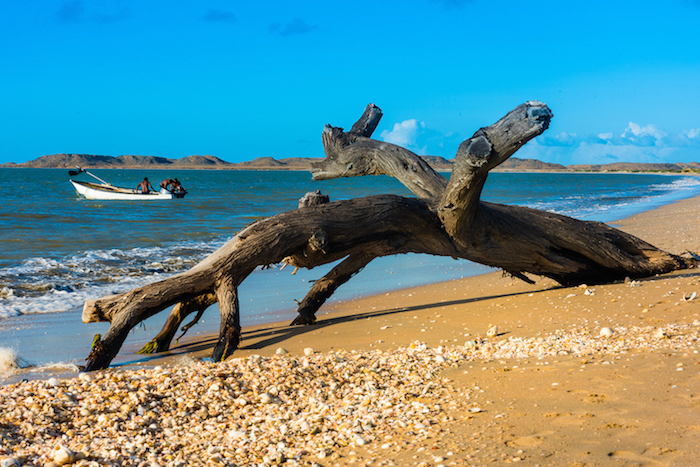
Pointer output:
240, 80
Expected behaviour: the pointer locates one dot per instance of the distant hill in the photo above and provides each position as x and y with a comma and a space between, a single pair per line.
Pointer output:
266, 163
514, 163
634, 167
88, 161
438, 163
199, 161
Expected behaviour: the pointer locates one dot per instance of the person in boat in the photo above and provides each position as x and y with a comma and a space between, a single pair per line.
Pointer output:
176, 186
167, 184
145, 186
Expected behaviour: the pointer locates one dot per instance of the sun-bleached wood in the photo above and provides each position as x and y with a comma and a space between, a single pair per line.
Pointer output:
447, 219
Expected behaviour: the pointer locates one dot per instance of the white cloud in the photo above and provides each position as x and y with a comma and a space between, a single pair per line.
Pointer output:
636, 143
405, 134
565, 138
635, 131
692, 133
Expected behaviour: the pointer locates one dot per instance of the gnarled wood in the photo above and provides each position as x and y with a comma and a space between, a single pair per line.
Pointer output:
353, 154
162, 341
447, 220
230, 330
387, 224
328, 284
313, 198
488, 148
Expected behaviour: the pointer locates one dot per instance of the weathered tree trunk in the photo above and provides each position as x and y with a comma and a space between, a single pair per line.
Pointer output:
323, 289
162, 341
328, 284
447, 219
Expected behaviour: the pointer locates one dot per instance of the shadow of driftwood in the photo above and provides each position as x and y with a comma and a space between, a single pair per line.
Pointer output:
270, 336
274, 335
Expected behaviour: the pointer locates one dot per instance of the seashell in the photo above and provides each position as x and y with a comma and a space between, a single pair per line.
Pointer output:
62, 455
492, 332
440, 359
85, 377
660, 334
309, 351
589, 292
236, 434
281, 351
606, 332
53, 382
470, 343
277, 458
265, 398
9, 462
360, 441
474, 410
690, 297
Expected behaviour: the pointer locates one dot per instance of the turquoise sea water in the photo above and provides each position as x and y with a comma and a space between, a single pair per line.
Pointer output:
59, 250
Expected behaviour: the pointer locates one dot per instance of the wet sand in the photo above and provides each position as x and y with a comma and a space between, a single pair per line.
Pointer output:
548, 389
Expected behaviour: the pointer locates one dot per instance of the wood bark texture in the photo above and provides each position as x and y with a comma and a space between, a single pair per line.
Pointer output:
447, 218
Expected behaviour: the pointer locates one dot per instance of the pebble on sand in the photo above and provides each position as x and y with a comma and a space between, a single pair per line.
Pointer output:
62, 455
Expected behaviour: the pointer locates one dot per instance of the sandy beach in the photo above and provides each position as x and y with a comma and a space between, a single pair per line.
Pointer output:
582, 376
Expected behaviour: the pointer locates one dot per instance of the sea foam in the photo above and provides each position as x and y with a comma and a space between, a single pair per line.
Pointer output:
9, 362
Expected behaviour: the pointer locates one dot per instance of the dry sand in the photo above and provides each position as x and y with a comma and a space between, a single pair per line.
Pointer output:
547, 390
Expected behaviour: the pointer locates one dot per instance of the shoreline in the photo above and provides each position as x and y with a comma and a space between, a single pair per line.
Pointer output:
692, 172
411, 376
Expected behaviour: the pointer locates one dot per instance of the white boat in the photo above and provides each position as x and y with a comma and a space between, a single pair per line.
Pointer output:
104, 190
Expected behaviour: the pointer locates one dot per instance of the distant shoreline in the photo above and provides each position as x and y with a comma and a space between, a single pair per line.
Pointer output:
305, 164
302, 169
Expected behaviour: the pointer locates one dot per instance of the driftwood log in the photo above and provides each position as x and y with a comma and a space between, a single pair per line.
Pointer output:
445, 218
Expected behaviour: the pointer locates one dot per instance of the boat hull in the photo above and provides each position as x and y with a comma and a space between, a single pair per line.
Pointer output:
95, 191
